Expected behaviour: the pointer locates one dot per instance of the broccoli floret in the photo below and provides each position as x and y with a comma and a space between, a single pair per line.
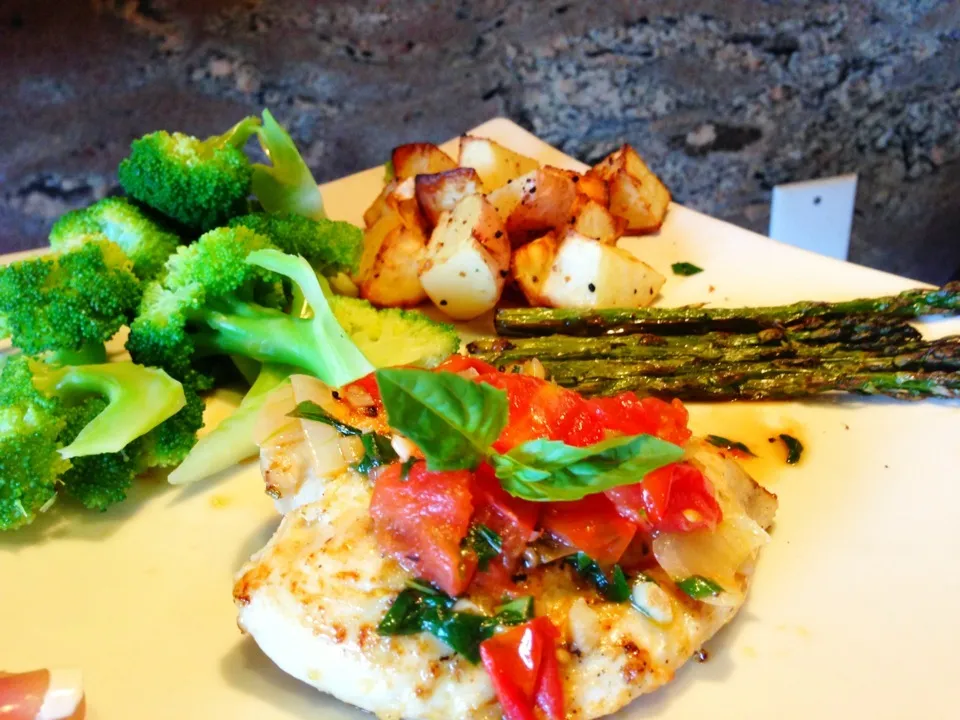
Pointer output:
199, 183
393, 336
65, 302
145, 242
219, 297
287, 185
329, 246
77, 427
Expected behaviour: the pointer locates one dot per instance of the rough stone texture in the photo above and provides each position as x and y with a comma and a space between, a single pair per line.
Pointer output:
725, 100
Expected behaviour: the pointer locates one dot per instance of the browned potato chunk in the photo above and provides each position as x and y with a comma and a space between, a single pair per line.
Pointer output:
546, 199
467, 259
595, 221
579, 271
388, 268
593, 186
494, 163
403, 200
530, 266
418, 159
635, 192
442, 191
375, 210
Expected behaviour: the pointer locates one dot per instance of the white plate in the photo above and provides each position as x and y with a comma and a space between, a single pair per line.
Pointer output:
853, 613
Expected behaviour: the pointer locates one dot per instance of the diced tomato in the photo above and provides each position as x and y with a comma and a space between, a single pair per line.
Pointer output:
592, 525
421, 521
632, 415
513, 519
675, 498
540, 409
462, 363
522, 665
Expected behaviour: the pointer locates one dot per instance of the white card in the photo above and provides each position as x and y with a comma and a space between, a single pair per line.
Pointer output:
815, 215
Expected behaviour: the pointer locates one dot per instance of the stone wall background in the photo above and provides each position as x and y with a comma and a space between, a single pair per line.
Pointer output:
724, 99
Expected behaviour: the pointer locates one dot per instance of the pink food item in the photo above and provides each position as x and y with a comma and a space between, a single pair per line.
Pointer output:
42, 695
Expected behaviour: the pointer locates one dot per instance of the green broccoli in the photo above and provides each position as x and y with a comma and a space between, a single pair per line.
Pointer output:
69, 302
329, 246
393, 336
219, 297
145, 242
287, 185
78, 427
198, 183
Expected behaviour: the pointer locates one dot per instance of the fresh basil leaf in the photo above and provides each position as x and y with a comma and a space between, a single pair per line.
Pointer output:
546, 470
377, 451
614, 589
515, 612
794, 448
428, 610
309, 410
407, 467
727, 444
485, 543
454, 421
685, 268
699, 587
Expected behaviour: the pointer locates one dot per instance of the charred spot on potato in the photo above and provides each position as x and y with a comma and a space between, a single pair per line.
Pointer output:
443, 302
503, 273
335, 395
498, 234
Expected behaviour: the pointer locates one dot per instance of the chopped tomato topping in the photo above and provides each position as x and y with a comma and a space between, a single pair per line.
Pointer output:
675, 498
522, 665
462, 363
632, 415
592, 525
421, 520
540, 409
513, 519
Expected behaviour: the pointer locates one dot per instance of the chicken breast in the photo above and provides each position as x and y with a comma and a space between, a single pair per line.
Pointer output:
312, 599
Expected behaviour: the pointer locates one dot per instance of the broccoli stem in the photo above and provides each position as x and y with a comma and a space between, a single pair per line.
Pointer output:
232, 440
89, 354
139, 399
287, 185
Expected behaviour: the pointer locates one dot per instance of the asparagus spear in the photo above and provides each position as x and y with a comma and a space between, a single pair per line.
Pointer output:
941, 354
781, 386
692, 319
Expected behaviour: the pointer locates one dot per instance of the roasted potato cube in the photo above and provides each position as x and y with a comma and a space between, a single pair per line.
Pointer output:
403, 200
593, 186
442, 191
530, 266
373, 213
388, 268
595, 221
635, 192
467, 259
507, 197
546, 200
419, 159
584, 273
494, 163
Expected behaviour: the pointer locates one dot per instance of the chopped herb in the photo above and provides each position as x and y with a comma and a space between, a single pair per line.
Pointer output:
727, 444
699, 587
794, 448
308, 410
422, 608
377, 451
407, 467
515, 612
485, 543
423, 586
614, 589
685, 268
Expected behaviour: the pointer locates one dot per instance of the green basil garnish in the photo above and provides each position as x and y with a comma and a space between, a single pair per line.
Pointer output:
454, 421
614, 588
422, 608
794, 448
727, 444
377, 451
309, 410
485, 543
685, 268
546, 470
699, 587
407, 467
